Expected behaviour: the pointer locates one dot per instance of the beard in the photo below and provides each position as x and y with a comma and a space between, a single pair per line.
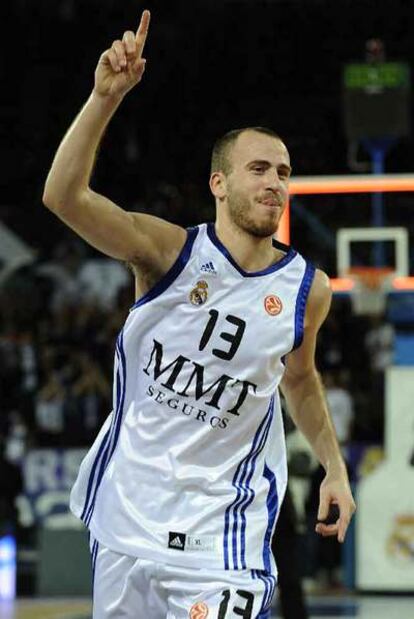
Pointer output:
240, 211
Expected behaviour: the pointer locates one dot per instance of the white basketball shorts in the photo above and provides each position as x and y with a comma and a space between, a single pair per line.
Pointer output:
132, 588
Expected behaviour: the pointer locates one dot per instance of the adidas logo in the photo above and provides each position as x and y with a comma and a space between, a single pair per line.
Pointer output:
208, 267
176, 540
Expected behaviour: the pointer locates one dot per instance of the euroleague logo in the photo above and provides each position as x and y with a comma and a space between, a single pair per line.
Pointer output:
273, 305
199, 611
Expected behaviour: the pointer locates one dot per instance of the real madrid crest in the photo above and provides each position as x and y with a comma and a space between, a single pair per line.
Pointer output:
199, 294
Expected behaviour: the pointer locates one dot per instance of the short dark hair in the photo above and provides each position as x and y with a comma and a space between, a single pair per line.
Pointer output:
220, 158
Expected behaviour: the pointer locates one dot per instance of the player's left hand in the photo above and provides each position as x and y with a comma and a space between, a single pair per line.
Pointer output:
335, 493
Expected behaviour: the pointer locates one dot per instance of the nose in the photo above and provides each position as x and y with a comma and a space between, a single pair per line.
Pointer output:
274, 181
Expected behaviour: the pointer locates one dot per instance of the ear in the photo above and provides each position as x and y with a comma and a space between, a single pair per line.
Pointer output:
218, 185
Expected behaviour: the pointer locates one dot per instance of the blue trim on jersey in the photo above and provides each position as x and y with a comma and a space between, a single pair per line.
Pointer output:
95, 548
102, 452
272, 509
94, 555
266, 591
250, 498
247, 499
119, 418
243, 492
166, 281
269, 582
258, 574
89, 507
301, 303
273, 584
105, 445
120, 390
117, 421
115, 427
291, 253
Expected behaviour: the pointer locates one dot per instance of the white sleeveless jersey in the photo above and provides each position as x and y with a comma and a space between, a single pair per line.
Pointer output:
190, 468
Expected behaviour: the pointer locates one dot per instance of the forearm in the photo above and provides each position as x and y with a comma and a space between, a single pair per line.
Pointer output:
307, 405
73, 163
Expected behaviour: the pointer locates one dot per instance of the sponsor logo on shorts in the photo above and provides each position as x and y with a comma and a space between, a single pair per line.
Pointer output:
176, 540
198, 611
273, 305
200, 543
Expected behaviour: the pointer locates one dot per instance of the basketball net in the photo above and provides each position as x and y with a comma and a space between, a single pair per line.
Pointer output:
371, 284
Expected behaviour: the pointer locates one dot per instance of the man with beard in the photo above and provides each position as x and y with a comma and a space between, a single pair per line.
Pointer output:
182, 487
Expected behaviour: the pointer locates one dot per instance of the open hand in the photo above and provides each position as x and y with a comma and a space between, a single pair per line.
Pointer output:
121, 66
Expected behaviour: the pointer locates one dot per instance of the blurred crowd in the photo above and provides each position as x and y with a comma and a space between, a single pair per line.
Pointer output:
59, 321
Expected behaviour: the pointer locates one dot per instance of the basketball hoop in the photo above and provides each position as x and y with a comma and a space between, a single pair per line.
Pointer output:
368, 295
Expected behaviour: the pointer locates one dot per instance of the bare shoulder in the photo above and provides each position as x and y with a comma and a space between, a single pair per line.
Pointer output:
319, 300
164, 239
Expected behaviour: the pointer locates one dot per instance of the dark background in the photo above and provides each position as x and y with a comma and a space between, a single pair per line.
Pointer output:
212, 66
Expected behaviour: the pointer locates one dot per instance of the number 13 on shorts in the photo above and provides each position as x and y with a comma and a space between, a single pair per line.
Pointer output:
229, 604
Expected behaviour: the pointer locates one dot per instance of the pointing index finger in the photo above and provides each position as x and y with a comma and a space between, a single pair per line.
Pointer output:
142, 31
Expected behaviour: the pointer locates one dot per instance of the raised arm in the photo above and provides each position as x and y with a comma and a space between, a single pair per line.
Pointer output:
303, 390
137, 238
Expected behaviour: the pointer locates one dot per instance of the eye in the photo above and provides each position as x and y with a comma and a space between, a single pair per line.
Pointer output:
258, 169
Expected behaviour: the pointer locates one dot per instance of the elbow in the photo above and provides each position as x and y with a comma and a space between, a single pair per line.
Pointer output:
296, 381
55, 194
56, 201
49, 198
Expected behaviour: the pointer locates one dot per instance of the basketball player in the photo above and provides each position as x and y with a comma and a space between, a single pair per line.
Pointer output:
182, 488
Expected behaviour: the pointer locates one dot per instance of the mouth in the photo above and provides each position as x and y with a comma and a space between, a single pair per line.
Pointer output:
271, 203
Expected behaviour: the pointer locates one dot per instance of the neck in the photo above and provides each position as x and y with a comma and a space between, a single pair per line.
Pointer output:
250, 252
